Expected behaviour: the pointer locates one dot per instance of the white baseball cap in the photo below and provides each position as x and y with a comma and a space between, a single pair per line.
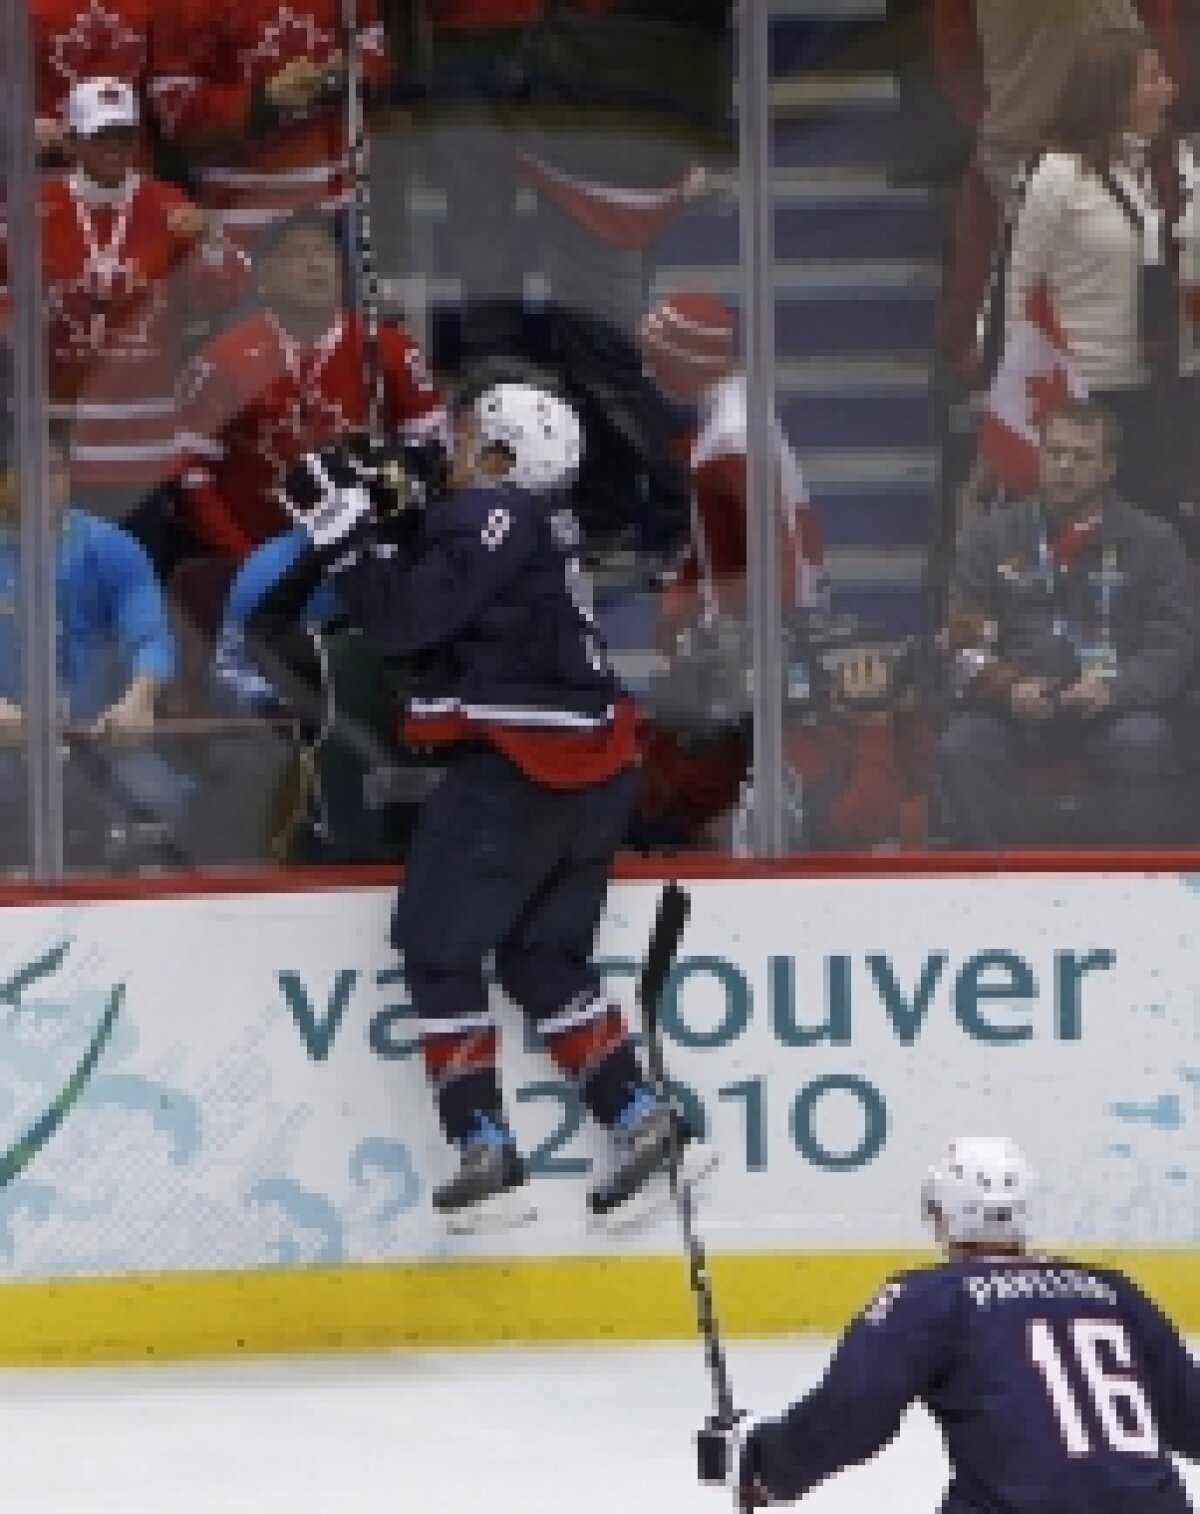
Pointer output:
95, 104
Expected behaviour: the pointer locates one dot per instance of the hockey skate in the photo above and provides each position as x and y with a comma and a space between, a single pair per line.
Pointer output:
485, 1194
638, 1187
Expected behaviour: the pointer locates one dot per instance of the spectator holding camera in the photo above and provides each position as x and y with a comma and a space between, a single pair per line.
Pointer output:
1072, 630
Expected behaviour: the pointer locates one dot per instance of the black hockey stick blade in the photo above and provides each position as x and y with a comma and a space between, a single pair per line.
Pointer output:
674, 906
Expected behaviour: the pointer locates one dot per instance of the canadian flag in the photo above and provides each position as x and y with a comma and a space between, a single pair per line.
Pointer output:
1036, 374
627, 218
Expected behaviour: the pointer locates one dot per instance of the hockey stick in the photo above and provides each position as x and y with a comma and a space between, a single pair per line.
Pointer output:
674, 905
362, 249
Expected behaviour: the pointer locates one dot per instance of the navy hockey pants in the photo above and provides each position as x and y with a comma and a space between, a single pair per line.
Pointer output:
500, 864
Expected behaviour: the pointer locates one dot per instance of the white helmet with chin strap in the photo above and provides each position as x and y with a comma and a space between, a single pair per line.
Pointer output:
980, 1191
540, 432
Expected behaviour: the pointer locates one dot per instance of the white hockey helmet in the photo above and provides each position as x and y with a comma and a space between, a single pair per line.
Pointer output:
540, 432
980, 1191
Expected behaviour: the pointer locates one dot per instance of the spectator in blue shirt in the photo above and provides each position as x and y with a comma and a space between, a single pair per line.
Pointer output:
115, 649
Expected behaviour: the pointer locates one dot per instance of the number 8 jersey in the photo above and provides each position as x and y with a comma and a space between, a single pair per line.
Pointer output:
487, 592
1058, 1388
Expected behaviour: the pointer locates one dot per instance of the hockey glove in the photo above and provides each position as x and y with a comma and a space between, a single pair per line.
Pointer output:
725, 1458
361, 482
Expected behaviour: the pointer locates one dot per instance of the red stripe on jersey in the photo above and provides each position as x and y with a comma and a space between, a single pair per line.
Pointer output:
460, 1053
554, 759
584, 1046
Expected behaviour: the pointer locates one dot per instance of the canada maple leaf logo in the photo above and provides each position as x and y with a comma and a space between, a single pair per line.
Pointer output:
91, 316
99, 41
292, 34
304, 422
1048, 392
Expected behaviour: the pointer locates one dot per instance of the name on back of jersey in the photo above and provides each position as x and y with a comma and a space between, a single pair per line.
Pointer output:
1008, 1285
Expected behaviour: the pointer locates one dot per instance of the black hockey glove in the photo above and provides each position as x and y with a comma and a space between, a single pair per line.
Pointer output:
725, 1458
359, 485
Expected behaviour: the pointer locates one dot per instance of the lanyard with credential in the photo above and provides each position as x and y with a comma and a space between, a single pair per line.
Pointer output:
1049, 573
104, 259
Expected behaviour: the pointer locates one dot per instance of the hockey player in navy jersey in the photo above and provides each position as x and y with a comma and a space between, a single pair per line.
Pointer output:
512, 851
1059, 1387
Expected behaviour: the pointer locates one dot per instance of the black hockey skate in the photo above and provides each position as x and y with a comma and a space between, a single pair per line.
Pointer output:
484, 1194
638, 1186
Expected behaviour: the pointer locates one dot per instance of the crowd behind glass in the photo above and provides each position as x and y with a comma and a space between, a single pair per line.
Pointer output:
528, 161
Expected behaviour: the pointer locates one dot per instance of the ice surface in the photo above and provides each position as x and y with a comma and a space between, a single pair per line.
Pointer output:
602, 1430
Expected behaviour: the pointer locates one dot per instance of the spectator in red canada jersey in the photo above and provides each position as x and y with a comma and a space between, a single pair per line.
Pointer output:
689, 347
861, 768
283, 382
74, 40
128, 262
253, 91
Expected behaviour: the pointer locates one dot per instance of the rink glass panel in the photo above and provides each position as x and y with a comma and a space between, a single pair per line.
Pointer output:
15, 832
491, 242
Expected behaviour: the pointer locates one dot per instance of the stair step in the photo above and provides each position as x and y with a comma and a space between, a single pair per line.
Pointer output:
857, 418
871, 566
897, 468
870, 516
828, 279
839, 321
863, 133
856, 374
803, 95
819, 40
827, 221
899, 611
781, 9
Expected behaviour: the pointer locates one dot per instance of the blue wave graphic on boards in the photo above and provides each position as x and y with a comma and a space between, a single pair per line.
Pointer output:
175, 1115
391, 1159
312, 1232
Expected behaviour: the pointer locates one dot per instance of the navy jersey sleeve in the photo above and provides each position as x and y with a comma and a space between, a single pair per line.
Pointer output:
424, 595
1172, 1373
892, 1355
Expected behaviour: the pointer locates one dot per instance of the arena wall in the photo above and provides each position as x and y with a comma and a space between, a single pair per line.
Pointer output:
217, 1136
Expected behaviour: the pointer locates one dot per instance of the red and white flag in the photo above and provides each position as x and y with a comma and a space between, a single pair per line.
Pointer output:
627, 218
1037, 373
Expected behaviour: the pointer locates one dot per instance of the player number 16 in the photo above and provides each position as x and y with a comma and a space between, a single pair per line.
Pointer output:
1100, 1354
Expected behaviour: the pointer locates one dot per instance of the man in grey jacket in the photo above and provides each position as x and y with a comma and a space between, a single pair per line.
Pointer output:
1072, 628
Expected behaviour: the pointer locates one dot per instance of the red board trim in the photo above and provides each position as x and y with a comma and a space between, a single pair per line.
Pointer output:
690, 867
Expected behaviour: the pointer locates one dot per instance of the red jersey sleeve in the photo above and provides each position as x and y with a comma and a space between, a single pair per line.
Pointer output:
208, 400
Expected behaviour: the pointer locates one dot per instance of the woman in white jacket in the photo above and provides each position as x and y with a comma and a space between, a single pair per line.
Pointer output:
1106, 218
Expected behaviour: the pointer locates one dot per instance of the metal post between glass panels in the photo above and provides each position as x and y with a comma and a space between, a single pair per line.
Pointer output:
38, 618
763, 581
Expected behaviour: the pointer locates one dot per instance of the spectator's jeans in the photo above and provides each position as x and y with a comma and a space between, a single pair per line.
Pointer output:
104, 786
984, 761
